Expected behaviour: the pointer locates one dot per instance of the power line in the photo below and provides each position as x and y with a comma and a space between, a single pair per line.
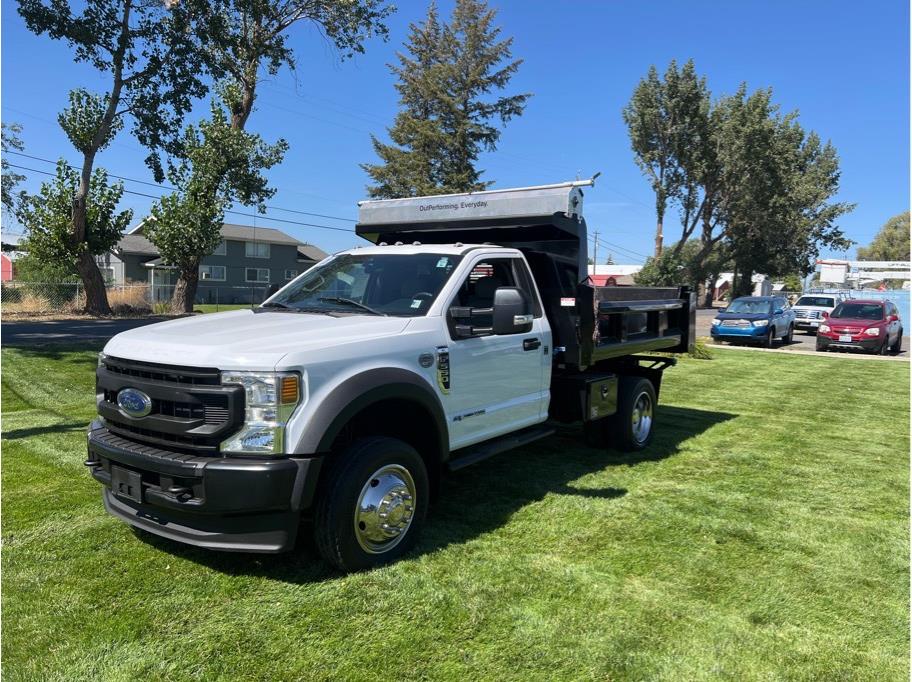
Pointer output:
172, 189
249, 215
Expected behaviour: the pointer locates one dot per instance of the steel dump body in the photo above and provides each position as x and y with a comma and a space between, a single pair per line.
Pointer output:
545, 223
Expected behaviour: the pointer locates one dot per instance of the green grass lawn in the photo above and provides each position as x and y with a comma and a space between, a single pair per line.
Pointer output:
763, 536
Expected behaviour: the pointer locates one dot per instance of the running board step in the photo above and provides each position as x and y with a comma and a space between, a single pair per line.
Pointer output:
476, 453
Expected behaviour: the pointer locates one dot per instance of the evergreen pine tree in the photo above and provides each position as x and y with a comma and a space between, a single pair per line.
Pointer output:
446, 119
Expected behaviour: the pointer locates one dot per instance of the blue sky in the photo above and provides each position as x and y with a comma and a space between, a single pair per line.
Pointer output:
844, 66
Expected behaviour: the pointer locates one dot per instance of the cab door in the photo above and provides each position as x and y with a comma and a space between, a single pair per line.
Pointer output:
496, 381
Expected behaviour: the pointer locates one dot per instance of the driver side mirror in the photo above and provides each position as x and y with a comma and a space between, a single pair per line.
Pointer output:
892, 318
512, 311
779, 311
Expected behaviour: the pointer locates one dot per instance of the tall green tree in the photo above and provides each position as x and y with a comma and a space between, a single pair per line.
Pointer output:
667, 122
777, 184
221, 165
47, 216
891, 242
449, 115
11, 140
146, 49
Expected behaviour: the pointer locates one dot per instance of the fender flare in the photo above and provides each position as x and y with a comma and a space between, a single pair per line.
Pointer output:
362, 390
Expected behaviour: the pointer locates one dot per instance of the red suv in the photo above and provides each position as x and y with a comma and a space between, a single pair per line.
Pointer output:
859, 324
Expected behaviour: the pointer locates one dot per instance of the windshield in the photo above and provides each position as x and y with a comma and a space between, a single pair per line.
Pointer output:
861, 311
742, 305
821, 301
380, 284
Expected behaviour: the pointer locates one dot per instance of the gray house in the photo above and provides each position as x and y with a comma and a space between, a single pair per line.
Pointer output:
240, 270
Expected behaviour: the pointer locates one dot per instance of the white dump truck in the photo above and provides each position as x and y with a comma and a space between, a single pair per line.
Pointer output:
467, 327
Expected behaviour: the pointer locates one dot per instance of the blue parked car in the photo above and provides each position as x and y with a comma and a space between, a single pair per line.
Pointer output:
755, 319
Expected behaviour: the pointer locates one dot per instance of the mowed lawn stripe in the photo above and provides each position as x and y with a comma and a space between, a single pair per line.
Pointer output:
742, 545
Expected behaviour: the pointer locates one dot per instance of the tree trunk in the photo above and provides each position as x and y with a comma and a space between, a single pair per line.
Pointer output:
658, 243
185, 290
96, 294
711, 289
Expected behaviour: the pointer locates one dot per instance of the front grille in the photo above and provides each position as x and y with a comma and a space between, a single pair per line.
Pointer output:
808, 314
211, 409
191, 411
167, 373
741, 324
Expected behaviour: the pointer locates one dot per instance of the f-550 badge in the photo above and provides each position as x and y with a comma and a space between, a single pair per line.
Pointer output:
443, 368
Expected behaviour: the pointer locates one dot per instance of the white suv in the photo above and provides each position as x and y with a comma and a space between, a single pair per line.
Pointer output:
810, 309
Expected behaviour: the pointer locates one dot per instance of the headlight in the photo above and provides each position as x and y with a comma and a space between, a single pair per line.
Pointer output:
717, 321
270, 398
872, 331
760, 323
825, 328
101, 359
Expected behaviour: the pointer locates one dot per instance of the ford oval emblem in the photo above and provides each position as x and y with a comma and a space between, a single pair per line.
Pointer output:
134, 403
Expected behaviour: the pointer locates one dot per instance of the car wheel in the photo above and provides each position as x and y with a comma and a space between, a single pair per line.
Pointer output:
897, 347
631, 427
884, 347
770, 335
373, 504
787, 339
820, 347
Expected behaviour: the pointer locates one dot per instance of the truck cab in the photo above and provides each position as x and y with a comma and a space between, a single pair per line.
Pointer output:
347, 395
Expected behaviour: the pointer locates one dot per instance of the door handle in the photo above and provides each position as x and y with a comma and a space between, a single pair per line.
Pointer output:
531, 344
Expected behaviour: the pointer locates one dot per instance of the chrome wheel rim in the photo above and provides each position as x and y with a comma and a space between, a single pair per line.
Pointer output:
385, 509
642, 417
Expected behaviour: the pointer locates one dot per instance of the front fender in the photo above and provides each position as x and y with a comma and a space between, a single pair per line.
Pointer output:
359, 392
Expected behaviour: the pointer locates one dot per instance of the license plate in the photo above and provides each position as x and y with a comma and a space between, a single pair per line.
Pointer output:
815, 324
126, 483
845, 337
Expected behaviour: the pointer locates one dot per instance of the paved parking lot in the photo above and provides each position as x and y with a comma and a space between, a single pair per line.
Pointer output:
801, 340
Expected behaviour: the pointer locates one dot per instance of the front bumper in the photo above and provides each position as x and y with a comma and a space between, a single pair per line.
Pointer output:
751, 333
868, 343
807, 324
225, 503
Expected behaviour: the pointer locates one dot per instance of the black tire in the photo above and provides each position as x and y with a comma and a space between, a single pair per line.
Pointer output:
884, 348
348, 481
896, 348
770, 335
820, 347
787, 339
625, 432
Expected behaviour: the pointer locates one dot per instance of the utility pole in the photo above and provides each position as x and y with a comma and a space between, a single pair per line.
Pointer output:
594, 251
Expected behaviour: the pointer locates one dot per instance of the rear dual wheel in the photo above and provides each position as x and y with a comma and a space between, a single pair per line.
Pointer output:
631, 427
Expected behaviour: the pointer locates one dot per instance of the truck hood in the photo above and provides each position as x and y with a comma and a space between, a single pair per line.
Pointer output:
243, 339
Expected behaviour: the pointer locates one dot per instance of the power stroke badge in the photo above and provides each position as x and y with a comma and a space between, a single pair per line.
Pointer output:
443, 368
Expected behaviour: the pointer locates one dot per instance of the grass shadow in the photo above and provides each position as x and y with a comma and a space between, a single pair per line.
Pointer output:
43, 430
481, 498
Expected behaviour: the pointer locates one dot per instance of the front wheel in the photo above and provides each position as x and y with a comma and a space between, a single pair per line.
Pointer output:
632, 425
768, 340
373, 504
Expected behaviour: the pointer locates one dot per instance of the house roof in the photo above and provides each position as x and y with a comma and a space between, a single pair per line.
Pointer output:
136, 243
311, 252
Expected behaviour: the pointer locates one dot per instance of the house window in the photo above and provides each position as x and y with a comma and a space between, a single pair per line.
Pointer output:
256, 250
221, 249
215, 273
107, 274
290, 274
260, 275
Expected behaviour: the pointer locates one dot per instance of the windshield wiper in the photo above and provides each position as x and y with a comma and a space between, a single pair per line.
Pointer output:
296, 309
348, 301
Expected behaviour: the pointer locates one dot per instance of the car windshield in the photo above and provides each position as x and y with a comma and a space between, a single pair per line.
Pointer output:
749, 307
403, 285
820, 301
861, 311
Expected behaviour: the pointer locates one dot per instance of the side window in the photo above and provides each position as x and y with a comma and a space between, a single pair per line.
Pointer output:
527, 285
477, 291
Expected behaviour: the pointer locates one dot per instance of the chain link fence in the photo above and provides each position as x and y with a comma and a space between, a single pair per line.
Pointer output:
44, 298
